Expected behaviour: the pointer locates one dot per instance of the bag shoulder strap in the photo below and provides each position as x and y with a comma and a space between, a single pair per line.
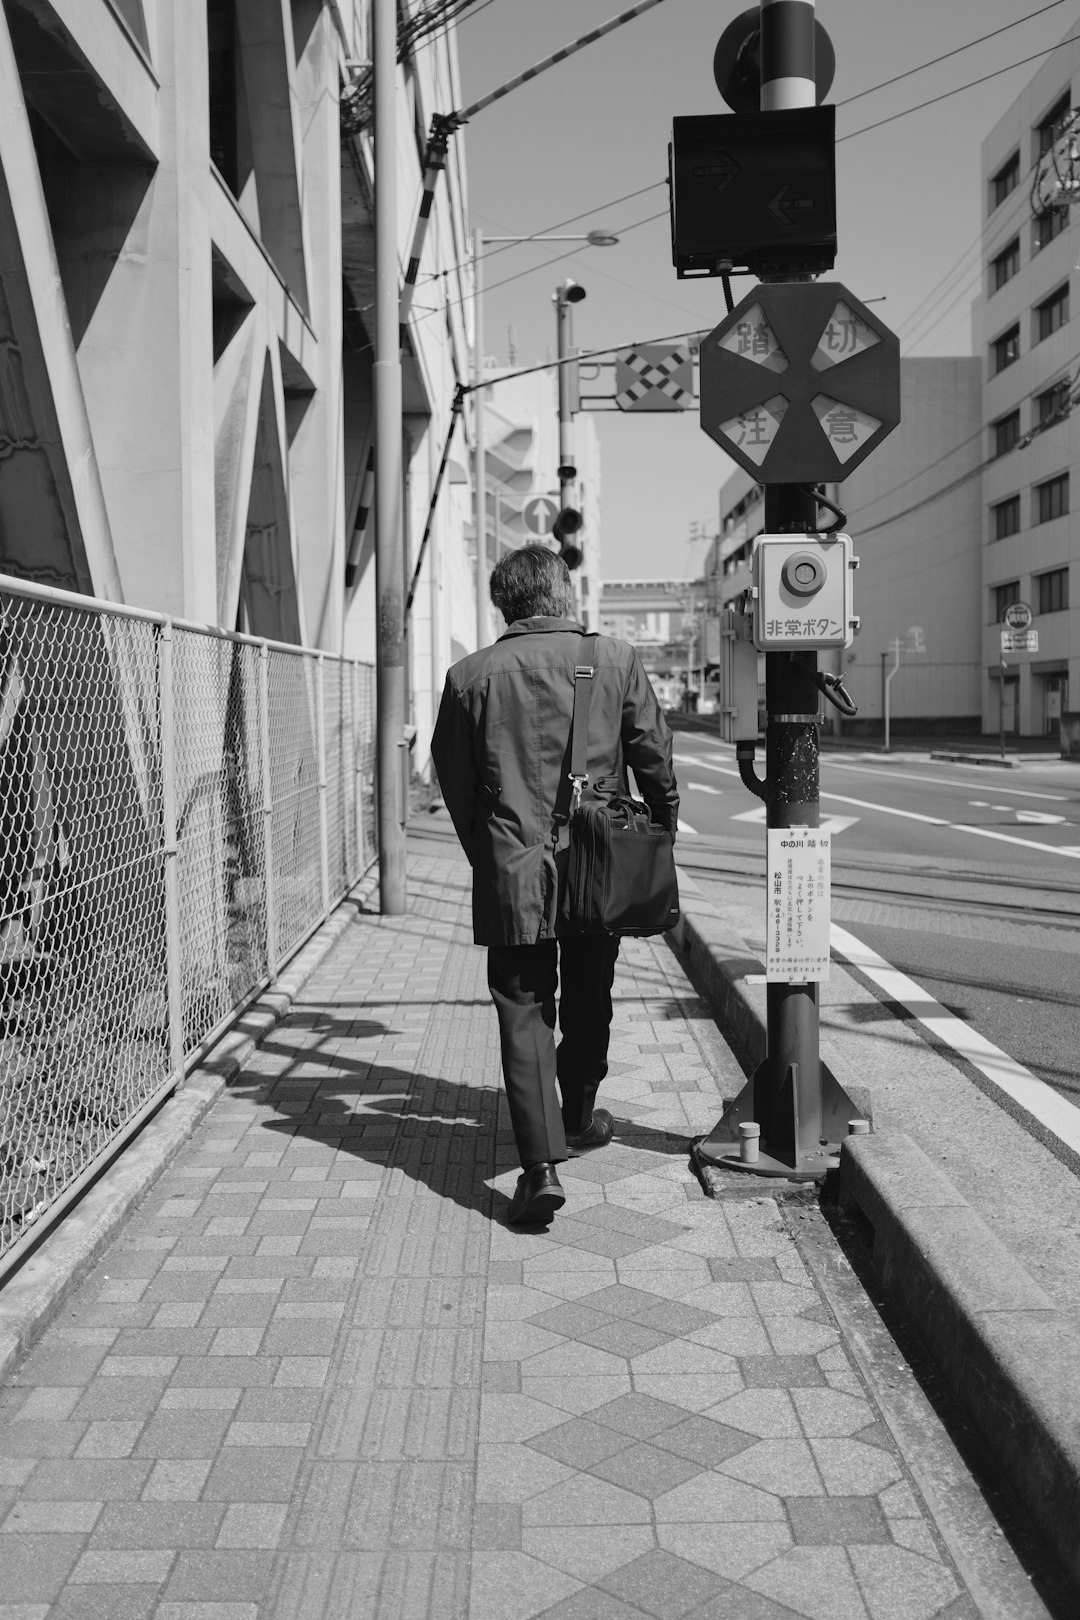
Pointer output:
584, 674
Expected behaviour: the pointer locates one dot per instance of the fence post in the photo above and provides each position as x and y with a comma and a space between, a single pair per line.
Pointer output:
320, 753
268, 810
358, 785
170, 851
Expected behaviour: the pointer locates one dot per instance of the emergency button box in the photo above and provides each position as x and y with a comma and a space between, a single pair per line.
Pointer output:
802, 592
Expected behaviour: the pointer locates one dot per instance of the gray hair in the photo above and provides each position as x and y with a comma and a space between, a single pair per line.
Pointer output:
530, 582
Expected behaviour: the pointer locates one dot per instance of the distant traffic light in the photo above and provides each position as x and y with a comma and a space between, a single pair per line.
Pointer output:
566, 524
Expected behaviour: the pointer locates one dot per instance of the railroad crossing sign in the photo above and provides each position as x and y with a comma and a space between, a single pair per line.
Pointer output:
1018, 616
539, 514
800, 382
654, 377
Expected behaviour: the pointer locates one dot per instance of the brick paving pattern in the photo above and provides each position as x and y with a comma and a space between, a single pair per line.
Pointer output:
318, 1375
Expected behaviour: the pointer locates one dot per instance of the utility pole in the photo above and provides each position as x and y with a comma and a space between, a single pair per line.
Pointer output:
392, 749
479, 448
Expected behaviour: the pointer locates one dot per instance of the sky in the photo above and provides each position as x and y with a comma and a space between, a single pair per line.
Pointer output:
595, 129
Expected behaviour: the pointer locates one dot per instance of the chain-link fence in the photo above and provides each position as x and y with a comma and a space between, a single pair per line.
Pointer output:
179, 809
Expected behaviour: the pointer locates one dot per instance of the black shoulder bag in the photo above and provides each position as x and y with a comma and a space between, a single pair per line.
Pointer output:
621, 876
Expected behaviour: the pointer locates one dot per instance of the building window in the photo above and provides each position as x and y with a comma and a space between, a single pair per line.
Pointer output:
1052, 499
1007, 179
1053, 591
1006, 517
1052, 405
223, 75
1005, 596
1005, 431
1004, 265
1050, 223
1005, 349
1049, 128
1051, 314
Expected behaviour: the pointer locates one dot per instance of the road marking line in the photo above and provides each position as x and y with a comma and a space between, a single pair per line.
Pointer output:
703, 764
934, 821
888, 809
1033, 1095
1007, 838
685, 827
940, 781
699, 787
953, 826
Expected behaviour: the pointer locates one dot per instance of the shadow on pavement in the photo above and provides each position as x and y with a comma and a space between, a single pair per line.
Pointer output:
439, 1132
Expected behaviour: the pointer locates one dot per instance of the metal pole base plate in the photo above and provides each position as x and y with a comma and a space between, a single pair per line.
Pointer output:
806, 1162
808, 1167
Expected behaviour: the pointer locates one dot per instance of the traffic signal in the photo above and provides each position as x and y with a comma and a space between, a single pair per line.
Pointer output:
566, 524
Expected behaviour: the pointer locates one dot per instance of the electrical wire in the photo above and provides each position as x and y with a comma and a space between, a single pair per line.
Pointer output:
504, 247
474, 11
974, 249
980, 467
693, 337
918, 316
1021, 443
656, 185
957, 90
934, 60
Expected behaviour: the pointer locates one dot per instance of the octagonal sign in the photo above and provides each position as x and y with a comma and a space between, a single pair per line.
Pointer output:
800, 382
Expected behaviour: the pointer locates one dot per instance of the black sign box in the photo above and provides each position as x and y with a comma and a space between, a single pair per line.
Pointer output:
753, 192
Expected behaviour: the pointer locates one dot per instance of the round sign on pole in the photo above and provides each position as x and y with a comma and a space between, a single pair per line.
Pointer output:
539, 514
1018, 616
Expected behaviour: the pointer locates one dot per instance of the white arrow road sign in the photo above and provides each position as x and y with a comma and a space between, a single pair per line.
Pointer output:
539, 514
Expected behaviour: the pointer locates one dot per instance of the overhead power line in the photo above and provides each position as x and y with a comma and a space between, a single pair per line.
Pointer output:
934, 60
956, 90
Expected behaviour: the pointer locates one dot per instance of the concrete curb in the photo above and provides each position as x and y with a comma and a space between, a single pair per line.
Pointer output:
718, 960
35, 1295
1010, 1358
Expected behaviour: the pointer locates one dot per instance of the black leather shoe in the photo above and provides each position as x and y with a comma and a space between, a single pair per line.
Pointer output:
536, 1197
598, 1132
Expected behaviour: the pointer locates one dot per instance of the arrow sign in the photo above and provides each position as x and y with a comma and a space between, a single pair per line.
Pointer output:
539, 514
779, 205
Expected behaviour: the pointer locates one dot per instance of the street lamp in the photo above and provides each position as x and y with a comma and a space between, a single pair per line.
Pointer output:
596, 238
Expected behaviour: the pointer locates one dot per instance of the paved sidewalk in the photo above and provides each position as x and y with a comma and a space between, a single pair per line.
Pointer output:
318, 1375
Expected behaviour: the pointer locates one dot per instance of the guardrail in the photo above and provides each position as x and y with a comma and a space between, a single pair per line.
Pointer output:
180, 807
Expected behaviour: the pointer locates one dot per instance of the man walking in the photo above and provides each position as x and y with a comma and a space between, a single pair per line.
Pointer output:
501, 747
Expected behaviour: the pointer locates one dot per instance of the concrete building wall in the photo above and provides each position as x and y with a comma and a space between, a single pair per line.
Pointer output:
914, 513
186, 396
1027, 260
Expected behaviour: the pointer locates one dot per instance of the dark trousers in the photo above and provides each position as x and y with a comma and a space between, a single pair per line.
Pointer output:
523, 980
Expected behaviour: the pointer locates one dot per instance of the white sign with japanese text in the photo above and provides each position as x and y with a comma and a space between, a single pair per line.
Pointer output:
799, 875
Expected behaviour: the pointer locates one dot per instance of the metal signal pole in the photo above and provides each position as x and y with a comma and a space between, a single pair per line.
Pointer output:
791, 1101
790, 1090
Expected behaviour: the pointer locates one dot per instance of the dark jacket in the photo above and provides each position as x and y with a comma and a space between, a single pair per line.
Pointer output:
501, 747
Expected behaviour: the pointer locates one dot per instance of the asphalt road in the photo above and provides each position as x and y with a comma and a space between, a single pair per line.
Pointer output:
964, 877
